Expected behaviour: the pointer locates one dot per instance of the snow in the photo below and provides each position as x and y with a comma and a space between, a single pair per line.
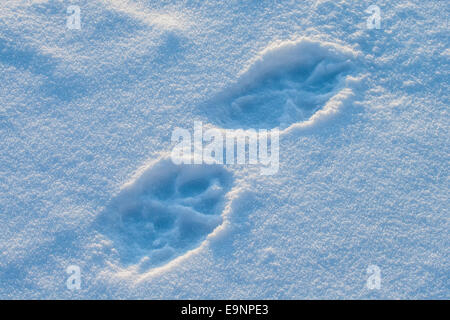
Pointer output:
86, 119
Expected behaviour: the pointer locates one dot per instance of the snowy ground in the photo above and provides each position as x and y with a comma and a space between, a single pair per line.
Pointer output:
86, 118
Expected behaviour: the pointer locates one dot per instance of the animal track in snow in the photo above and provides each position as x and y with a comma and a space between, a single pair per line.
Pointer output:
167, 211
286, 84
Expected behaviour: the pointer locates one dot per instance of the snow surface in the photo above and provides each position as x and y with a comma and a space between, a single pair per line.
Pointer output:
86, 118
